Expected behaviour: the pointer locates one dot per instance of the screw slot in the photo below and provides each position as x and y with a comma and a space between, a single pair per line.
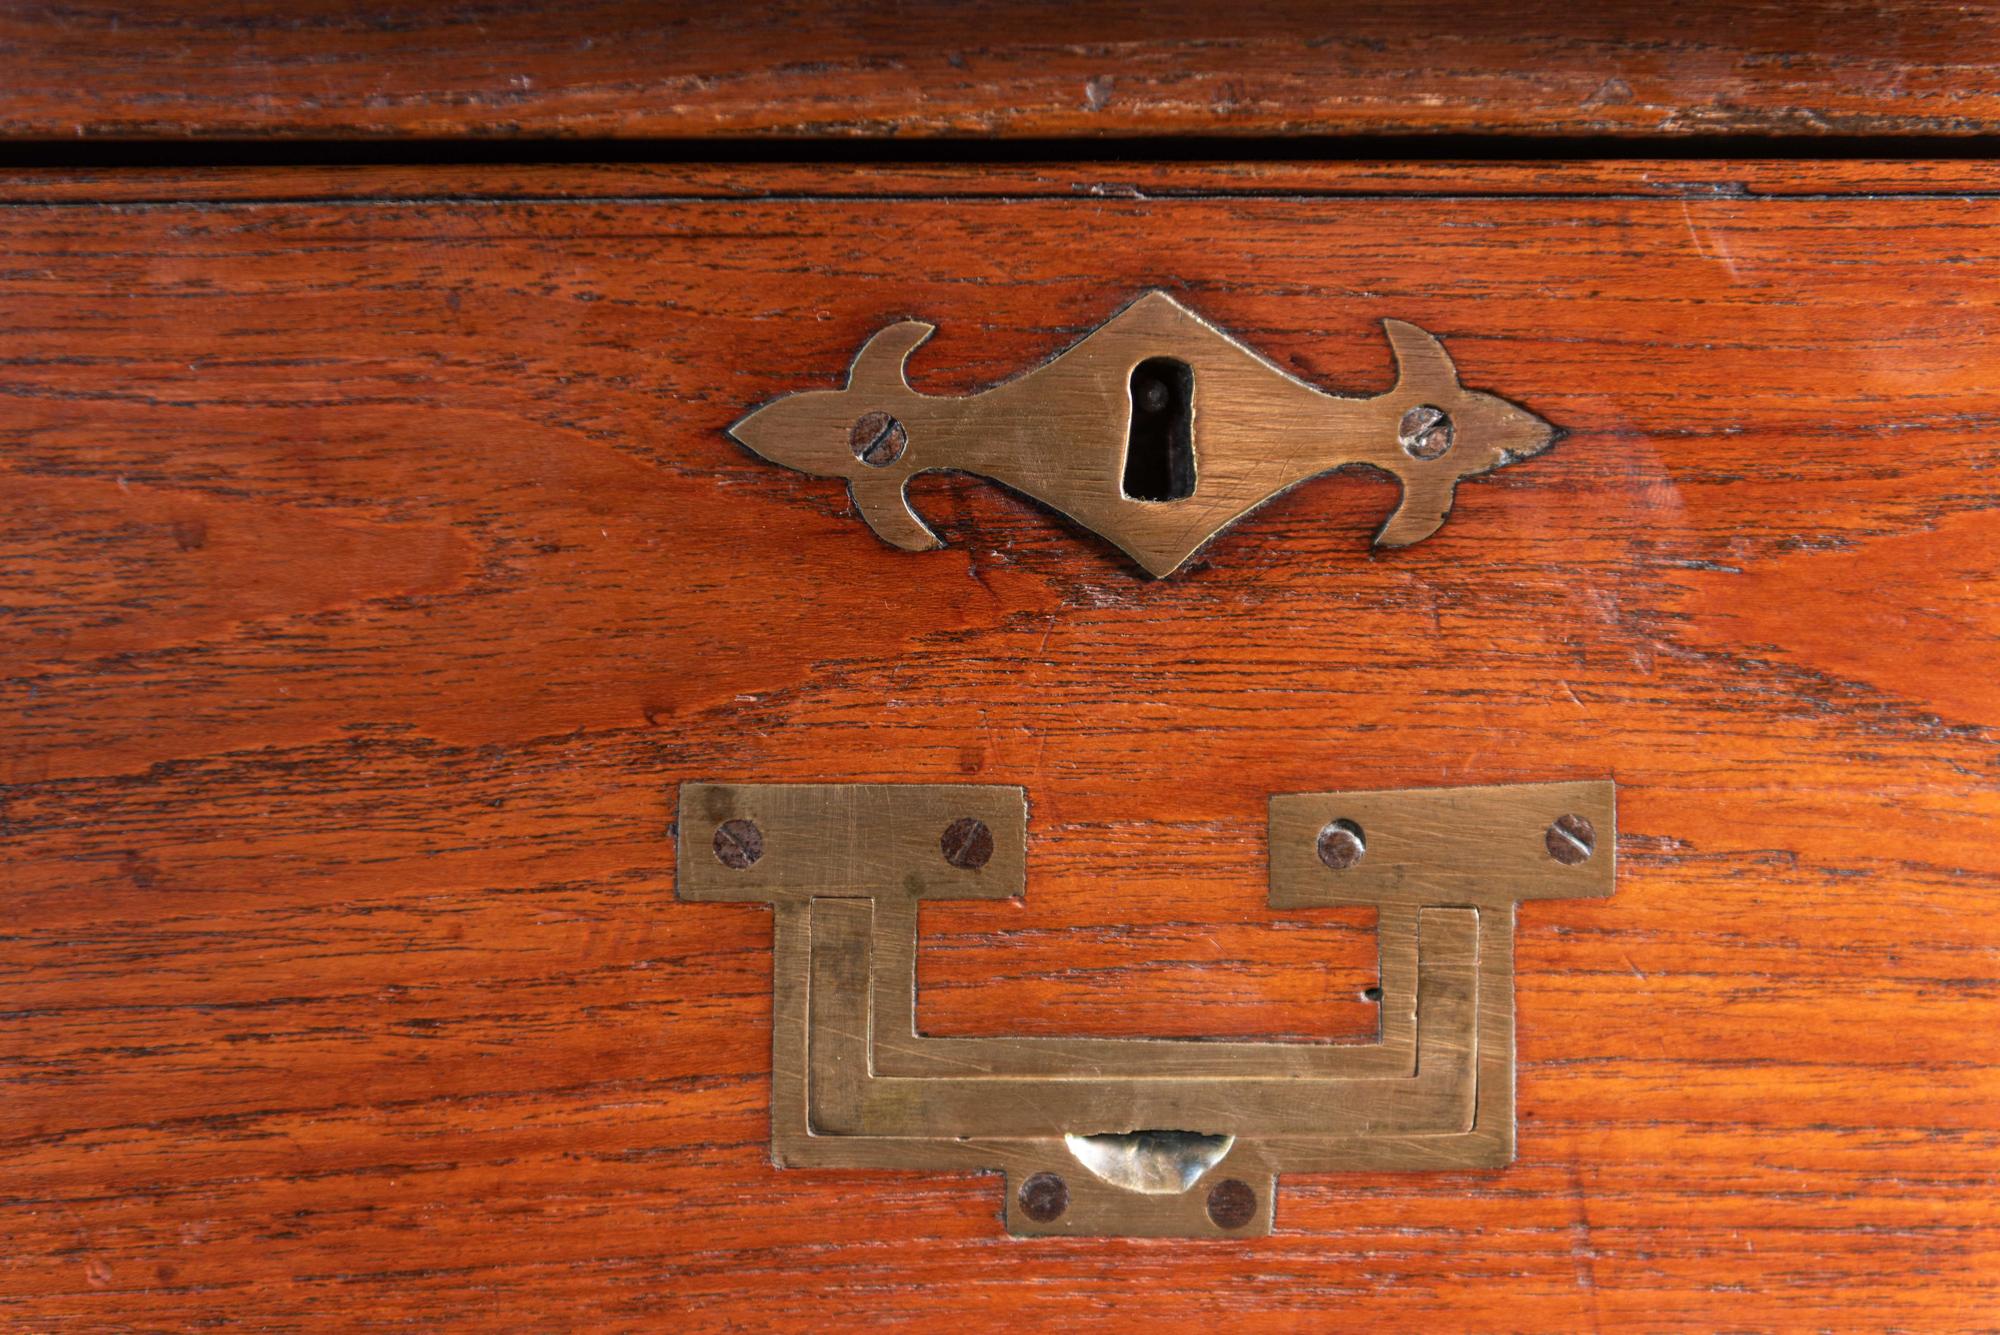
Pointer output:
738, 843
1570, 839
1425, 432
1231, 1203
966, 843
878, 439
1341, 844
1044, 1197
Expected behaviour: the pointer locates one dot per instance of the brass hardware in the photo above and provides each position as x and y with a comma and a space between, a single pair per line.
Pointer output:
1079, 433
1140, 1136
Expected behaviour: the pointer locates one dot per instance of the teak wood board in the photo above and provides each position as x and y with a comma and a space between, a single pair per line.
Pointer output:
375, 570
818, 69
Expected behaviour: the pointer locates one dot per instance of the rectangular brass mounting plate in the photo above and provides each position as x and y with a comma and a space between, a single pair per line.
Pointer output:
855, 1085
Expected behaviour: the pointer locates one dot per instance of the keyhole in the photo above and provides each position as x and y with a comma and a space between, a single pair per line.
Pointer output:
1159, 452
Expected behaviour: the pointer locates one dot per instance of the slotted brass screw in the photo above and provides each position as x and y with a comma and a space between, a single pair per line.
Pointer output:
1570, 839
738, 843
1425, 432
966, 843
878, 439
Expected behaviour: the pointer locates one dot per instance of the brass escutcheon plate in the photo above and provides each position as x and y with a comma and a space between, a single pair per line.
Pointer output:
1141, 1137
1080, 432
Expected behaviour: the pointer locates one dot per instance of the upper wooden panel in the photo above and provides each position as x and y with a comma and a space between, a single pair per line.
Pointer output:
529, 67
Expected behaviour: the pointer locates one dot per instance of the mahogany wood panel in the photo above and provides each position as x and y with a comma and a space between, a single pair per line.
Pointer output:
373, 570
329, 69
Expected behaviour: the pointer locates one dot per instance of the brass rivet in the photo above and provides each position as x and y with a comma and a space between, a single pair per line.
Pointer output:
738, 843
1570, 839
1341, 844
1231, 1203
1044, 1197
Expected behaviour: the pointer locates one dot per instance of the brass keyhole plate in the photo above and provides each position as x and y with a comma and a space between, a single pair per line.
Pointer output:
1065, 432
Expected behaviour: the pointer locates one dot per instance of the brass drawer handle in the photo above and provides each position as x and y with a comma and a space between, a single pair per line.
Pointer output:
1157, 431
1141, 1136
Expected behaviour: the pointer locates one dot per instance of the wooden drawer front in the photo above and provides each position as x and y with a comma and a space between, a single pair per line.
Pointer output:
376, 569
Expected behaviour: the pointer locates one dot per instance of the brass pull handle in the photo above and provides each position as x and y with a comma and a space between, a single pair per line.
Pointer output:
1157, 431
1141, 1136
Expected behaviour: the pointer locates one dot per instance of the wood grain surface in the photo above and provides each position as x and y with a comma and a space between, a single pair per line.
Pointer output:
373, 570
1080, 177
615, 68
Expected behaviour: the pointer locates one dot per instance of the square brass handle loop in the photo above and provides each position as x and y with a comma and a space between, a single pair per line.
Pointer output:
1141, 1137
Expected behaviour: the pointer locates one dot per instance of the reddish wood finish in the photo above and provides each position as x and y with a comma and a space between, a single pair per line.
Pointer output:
323, 68
372, 571
1079, 178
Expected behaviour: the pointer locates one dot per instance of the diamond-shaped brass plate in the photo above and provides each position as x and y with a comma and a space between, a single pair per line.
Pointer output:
1061, 433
